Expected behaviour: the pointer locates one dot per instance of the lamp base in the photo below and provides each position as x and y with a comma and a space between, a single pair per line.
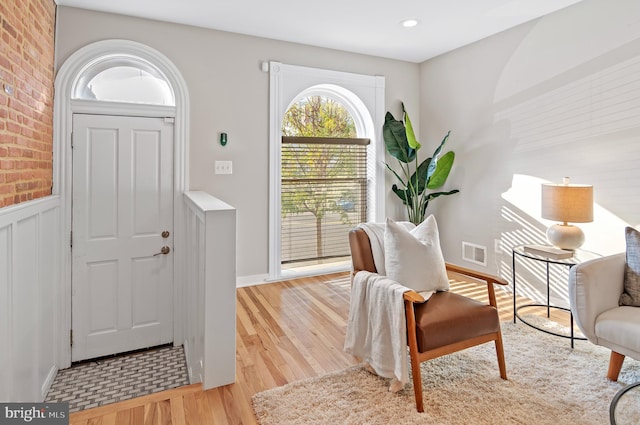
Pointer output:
565, 236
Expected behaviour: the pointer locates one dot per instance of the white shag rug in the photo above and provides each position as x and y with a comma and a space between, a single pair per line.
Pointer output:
549, 383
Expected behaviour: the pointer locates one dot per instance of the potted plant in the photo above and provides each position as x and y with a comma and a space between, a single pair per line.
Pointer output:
431, 173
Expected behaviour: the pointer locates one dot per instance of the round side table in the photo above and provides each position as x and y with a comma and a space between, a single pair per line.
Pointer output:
578, 257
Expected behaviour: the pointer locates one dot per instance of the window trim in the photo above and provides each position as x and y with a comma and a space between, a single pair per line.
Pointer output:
362, 95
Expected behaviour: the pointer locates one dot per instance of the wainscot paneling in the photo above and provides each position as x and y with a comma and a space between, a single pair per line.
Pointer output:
29, 273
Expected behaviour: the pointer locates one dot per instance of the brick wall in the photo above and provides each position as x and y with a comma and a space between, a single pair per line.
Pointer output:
26, 99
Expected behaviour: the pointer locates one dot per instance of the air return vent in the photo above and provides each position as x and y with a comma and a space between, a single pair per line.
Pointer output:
473, 253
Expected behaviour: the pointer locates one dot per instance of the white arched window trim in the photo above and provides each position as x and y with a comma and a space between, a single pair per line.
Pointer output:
69, 77
362, 96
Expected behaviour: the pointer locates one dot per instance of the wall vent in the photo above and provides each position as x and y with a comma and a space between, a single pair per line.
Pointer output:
473, 253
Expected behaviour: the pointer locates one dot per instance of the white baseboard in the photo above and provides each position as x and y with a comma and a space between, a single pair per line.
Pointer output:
46, 386
261, 279
256, 279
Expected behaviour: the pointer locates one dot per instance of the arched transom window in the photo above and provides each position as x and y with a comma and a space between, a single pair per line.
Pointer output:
124, 79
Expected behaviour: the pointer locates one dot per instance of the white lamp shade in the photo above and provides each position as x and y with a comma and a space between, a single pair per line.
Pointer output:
567, 203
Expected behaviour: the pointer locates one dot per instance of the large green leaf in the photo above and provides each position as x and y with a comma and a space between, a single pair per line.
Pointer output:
442, 170
411, 136
432, 166
395, 139
420, 176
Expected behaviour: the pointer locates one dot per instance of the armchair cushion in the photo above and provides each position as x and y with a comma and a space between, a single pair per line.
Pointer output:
631, 294
619, 329
414, 258
448, 318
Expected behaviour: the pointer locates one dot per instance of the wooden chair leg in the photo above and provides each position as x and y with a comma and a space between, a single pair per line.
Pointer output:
414, 355
500, 353
615, 364
417, 382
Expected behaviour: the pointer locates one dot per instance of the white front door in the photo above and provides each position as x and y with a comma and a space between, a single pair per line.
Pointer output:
122, 241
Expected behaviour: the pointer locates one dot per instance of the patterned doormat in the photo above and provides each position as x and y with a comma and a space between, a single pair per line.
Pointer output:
108, 380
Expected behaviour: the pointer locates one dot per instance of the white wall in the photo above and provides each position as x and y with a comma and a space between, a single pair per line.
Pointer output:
29, 307
555, 97
229, 93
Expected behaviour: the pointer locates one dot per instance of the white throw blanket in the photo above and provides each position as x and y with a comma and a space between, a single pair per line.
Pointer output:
376, 330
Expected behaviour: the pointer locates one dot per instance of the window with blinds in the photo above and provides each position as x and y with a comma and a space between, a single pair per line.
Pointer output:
324, 194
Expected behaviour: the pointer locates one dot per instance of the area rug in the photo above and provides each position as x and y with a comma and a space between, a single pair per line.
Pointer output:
111, 379
549, 383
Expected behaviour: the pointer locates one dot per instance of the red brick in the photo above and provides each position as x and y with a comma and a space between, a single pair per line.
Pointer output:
22, 186
7, 165
9, 29
12, 127
11, 177
26, 131
15, 151
4, 62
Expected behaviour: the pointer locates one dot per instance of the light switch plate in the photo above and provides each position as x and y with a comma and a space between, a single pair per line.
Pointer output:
223, 167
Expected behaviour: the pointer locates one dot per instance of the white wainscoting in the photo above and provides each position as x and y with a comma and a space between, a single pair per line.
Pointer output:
209, 290
29, 273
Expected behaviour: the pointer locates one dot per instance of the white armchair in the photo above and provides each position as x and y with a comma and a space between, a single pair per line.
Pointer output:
595, 287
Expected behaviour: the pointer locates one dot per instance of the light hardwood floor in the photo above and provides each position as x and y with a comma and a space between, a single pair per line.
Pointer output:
286, 331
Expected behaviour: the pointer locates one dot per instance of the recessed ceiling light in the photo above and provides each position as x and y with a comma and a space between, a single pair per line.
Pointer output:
408, 23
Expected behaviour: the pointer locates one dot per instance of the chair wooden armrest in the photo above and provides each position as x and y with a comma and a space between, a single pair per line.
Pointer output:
413, 297
488, 278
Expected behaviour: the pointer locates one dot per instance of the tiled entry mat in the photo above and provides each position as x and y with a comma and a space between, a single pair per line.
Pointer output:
108, 380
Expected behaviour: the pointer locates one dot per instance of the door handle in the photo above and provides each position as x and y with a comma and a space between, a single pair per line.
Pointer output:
165, 234
164, 250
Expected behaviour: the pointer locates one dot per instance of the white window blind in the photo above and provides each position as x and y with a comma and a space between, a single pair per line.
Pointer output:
323, 195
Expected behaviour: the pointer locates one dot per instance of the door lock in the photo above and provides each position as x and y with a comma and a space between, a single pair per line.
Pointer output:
164, 250
165, 234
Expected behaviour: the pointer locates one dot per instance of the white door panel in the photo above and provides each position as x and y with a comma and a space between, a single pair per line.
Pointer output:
122, 202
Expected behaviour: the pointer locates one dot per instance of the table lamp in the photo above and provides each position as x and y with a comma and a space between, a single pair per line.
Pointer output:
567, 203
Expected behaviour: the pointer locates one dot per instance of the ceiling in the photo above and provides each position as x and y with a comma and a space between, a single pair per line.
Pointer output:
362, 26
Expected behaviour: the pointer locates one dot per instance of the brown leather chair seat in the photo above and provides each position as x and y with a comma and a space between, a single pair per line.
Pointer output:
447, 318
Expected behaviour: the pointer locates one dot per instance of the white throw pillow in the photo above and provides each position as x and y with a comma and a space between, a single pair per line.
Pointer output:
414, 258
